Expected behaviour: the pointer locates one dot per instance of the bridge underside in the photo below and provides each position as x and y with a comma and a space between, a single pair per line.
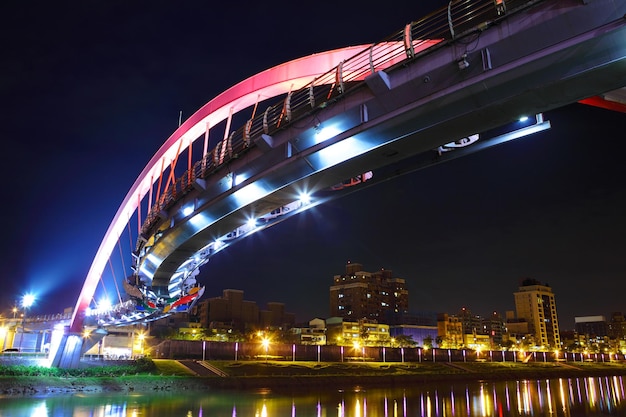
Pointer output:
545, 58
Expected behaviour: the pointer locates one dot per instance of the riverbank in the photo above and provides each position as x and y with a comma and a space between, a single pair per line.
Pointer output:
173, 376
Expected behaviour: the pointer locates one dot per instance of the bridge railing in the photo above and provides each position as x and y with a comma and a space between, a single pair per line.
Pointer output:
416, 39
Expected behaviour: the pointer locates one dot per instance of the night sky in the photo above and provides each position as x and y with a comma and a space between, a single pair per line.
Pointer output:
90, 91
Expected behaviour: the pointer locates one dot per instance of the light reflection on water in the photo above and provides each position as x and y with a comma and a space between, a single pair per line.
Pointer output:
557, 397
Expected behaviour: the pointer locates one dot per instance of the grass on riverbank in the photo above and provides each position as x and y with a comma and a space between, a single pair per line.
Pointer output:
171, 375
304, 368
171, 367
17, 368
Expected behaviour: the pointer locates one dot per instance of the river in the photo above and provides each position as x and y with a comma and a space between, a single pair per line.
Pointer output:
573, 397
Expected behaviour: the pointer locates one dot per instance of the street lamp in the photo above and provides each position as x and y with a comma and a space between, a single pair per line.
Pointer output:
266, 344
140, 338
27, 301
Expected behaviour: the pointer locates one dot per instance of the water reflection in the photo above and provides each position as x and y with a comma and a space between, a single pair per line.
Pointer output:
556, 397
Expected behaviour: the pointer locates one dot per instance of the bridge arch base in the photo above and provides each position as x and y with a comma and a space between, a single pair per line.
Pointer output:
69, 351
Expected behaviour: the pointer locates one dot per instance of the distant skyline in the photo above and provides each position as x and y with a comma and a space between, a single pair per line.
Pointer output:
92, 91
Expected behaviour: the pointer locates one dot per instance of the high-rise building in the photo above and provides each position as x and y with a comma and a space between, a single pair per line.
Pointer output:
617, 326
591, 327
495, 328
358, 294
534, 302
472, 323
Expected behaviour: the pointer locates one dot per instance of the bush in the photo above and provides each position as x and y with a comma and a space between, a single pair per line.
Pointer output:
142, 366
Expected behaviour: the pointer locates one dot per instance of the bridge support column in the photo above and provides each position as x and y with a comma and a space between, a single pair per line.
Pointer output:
69, 350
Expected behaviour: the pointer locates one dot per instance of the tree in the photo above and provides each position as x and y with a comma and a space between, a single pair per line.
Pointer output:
364, 333
439, 340
405, 341
507, 344
428, 342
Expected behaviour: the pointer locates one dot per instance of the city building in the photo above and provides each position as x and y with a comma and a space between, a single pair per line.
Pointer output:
420, 334
477, 341
591, 332
496, 329
470, 330
616, 327
229, 311
358, 294
471, 323
314, 334
420, 326
229, 314
517, 331
535, 303
449, 331
361, 332
592, 327
275, 317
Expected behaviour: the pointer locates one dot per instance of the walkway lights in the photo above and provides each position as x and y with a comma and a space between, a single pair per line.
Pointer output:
141, 338
357, 346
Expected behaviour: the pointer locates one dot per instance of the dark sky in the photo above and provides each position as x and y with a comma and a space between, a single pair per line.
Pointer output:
90, 90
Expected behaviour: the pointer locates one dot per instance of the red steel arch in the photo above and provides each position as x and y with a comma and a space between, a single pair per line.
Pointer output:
267, 84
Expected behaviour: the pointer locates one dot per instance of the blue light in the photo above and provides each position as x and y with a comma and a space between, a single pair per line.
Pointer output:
28, 300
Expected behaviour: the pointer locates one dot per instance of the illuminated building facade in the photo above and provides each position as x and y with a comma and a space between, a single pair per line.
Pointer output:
535, 303
356, 332
450, 331
368, 295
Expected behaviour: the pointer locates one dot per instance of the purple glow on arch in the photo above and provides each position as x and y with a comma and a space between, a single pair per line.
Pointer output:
269, 83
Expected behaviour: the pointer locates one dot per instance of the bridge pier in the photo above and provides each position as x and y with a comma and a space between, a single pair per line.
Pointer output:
68, 350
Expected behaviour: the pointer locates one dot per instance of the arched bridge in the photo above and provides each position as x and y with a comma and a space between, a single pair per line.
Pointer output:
311, 129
